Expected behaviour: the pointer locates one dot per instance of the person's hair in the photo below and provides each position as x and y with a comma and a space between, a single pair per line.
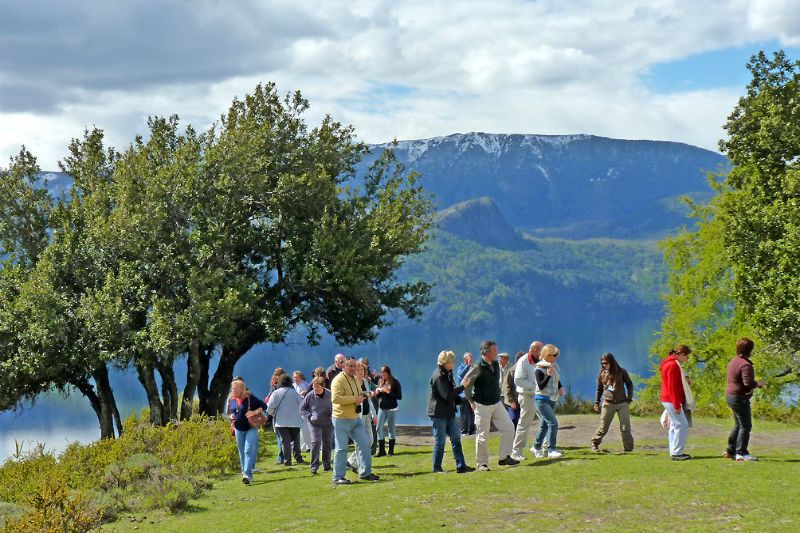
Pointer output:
364, 367
445, 356
240, 380
548, 350
519, 356
319, 380
278, 373
284, 380
744, 346
486, 346
612, 375
364, 360
466, 354
298, 373
681, 349
391, 381
319, 371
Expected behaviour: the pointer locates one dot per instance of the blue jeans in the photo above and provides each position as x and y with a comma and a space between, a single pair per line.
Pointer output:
247, 443
386, 417
549, 424
443, 428
344, 429
279, 441
513, 414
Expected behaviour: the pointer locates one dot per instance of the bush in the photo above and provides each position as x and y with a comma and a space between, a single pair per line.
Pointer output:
574, 404
148, 467
54, 507
9, 511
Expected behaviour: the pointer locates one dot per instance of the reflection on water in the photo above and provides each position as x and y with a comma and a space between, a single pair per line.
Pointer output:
410, 351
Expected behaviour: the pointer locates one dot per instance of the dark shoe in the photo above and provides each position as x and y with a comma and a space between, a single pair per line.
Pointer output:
343, 481
508, 461
729, 455
681, 457
438, 471
313, 472
287, 463
245, 480
327, 468
300, 460
370, 477
352, 467
391, 446
464, 470
381, 448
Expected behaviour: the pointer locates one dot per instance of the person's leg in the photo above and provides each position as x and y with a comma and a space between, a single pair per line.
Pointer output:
745, 426
504, 425
549, 410
294, 434
462, 413
315, 433
381, 423
473, 428
483, 416
240, 438
678, 429
327, 445
392, 429
305, 438
451, 427
624, 414
606, 416
544, 424
341, 430
439, 427
359, 436
279, 443
286, 445
250, 452
527, 412
734, 435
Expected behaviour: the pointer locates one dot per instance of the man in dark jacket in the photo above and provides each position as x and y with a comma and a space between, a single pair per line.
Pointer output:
483, 393
442, 409
336, 368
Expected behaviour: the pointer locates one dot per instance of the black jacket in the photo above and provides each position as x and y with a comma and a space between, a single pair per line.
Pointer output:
388, 400
444, 394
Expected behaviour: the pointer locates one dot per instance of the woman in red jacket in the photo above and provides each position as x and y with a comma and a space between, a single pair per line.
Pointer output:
673, 398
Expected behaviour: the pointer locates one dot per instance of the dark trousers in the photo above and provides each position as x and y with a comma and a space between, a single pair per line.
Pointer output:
321, 440
513, 414
467, 418
290, 440
739, 438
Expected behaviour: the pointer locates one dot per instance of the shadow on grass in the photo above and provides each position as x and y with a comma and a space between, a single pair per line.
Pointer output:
545, 461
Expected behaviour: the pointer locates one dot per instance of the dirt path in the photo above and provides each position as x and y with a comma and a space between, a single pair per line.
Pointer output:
577, 430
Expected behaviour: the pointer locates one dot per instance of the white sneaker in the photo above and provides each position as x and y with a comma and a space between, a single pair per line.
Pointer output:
517, 457
554, 454
747, 457
538, 453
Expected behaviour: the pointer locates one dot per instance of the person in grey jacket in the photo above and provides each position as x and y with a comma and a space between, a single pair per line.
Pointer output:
317, 409
284, 406
526, 389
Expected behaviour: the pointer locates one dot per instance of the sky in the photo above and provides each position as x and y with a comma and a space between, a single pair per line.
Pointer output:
394, 69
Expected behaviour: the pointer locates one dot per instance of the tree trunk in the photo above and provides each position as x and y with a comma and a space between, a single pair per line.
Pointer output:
192, 379
202, 384
221, 383
87, 390
169, 391
108, 403
147, 378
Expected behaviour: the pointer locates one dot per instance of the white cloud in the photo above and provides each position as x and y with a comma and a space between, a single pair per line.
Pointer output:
405, 69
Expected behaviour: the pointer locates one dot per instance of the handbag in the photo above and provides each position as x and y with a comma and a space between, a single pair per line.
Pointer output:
257, 420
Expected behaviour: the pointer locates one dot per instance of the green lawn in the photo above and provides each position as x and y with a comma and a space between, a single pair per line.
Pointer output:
642, 491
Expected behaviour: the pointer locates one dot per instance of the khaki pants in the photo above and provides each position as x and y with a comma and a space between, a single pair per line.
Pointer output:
622, 410
485, 415
527, 407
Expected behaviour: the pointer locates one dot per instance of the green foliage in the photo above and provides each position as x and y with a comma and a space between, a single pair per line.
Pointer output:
148, 467
476, 286
54, 507
9, 511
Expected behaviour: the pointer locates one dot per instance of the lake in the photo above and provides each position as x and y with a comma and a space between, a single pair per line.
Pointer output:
410, 350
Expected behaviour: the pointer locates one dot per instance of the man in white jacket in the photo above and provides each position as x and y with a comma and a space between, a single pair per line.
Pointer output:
526, 388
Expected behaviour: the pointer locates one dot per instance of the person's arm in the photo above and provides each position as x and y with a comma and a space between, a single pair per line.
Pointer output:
444, 390
274, 401
599, 392
542, 379
305, 410
675, 387
522, 377
626, 378
397, 391
748, 378
472, 374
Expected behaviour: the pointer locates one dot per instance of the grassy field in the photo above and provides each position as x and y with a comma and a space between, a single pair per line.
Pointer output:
583, 491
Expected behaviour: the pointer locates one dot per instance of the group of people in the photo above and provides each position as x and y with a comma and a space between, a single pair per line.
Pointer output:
345, 403
349, 403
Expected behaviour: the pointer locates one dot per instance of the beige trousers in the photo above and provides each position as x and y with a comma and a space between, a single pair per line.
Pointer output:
527, 406
485, 415
607, 413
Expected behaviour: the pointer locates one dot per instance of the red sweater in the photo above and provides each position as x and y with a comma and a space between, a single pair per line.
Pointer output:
671, 382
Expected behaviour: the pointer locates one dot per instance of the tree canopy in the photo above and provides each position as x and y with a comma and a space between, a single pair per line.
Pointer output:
197, 245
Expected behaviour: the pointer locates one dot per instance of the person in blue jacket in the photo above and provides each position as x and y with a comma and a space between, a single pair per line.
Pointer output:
466, 413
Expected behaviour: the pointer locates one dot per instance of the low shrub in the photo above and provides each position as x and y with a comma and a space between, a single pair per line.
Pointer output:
9, 511
53, 506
